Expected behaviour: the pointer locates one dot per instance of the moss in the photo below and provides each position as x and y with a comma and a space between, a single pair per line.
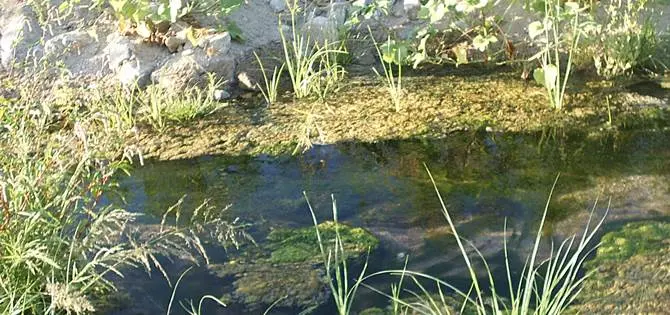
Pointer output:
633, 239
301, 245
631, 272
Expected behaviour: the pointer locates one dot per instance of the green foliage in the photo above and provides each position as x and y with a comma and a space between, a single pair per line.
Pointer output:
59, 242
271, 88
559, 31
150, 18
543, 287
158, 107
391, 53
625, 41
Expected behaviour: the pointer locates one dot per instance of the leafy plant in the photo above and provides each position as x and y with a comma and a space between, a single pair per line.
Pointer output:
559, 30
151, 19
626, 41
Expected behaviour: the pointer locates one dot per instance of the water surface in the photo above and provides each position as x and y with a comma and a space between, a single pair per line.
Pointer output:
484, 178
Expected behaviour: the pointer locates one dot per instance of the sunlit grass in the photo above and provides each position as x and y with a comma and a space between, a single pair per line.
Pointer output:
312, 66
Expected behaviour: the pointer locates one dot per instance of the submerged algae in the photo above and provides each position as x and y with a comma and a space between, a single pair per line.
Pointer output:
300, 245
288, 268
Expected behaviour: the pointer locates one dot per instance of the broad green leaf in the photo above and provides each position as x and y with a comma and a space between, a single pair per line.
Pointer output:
175, 7
546, 76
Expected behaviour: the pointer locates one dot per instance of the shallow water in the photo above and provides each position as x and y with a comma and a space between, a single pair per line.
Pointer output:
484, 178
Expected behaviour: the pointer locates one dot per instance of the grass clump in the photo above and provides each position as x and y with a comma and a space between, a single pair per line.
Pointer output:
545, 286
390, 53
59, 238
312, 66
158, 107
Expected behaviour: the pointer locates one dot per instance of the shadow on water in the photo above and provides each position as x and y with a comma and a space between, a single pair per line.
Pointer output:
383, 187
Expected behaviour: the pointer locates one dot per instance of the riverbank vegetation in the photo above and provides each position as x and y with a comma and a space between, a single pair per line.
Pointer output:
64, 143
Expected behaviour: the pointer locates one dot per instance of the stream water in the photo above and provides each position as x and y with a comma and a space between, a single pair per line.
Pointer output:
485, 179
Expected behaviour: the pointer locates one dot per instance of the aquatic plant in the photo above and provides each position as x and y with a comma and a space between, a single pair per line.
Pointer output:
335, 258
632, 265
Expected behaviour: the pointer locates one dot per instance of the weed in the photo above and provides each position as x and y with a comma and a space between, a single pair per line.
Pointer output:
544, 287
336, 266
552, 38
313, 67
389, 53
271, 85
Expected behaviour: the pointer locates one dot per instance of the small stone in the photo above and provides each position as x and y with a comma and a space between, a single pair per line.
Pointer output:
218, 44
278, 5
489, 129
174, 43
412, 8
221, 95
247, 82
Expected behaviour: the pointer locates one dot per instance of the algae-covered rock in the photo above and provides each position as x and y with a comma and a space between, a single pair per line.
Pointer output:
288, 267
631, 272
301, 245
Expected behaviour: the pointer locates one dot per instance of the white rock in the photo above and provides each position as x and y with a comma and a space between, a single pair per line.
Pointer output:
132, 73
68, 43
174, 43
20, 36
134, 62
278, 5
246, 81
218, 44
118, 50
182, 71
221, 95
321, 29
412, 8
338, 11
